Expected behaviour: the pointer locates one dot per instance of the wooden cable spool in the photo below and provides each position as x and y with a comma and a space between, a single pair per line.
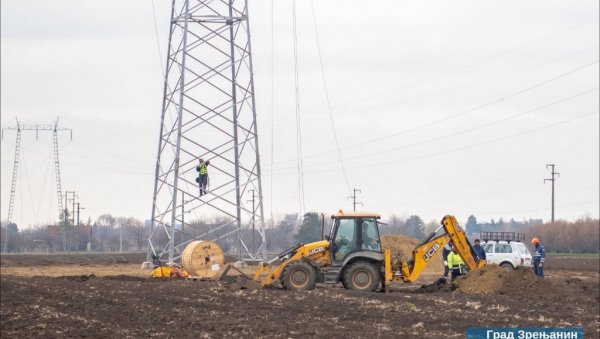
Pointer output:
202, 258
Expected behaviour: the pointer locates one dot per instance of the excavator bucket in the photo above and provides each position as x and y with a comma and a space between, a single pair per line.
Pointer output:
232, 279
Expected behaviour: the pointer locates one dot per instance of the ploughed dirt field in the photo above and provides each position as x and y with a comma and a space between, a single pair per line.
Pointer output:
108, 295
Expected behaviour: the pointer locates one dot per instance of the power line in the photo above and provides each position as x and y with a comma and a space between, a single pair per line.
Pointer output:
157, 37
484, 142
581, 116
457, 186
335, 136
453, 116
494, 57
298, 120
370, 154
474, 83
453, 89
272, 98
28, 181
542, 208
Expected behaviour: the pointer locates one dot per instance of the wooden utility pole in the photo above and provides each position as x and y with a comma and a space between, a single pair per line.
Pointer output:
78, 228
66, 230
353, 197
552, 180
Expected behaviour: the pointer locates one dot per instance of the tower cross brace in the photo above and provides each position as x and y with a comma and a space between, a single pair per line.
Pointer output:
208, 112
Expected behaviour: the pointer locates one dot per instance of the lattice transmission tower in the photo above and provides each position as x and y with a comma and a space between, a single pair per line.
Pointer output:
208, 112
13, 187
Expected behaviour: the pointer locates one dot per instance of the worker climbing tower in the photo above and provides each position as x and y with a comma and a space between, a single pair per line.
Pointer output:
208, 112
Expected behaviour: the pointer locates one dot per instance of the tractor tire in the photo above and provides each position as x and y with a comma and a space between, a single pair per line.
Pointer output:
299, 275
362, 276
507, 266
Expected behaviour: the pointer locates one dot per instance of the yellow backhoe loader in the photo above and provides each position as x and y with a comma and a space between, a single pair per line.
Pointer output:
352, 254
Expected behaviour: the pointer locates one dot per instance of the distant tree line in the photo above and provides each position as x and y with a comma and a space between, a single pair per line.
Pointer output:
112, 234
579, 236
104, 235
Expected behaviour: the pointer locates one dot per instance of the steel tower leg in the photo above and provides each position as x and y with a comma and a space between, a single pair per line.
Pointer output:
208, 112
61, 208
13, 186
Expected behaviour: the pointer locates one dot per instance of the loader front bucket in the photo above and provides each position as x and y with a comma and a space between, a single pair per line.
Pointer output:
232, 279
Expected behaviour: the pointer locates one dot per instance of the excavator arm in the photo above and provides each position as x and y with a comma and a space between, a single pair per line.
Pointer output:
422, 255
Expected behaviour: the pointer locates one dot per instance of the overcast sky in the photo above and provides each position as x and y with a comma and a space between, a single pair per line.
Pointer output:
440, 107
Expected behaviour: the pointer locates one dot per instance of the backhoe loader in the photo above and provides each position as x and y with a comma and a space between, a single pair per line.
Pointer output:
352, 254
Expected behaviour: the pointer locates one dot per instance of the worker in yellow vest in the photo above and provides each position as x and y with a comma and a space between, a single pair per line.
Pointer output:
202, 179
455, 264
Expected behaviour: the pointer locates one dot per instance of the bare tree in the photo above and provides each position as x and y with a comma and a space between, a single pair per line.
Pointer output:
136, 229
104, 227
579, 236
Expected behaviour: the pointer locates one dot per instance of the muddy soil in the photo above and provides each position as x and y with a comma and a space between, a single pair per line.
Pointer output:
402, 248
573, 263
132, 307
26, 260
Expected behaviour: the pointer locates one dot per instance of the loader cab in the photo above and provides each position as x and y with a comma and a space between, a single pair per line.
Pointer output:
354, 234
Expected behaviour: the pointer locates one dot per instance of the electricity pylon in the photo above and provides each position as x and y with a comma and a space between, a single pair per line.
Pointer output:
208, 112
13, 187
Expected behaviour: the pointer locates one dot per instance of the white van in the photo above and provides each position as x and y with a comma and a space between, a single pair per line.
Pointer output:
507, 254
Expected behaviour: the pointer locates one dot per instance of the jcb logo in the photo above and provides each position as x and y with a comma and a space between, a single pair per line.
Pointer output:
316, 250
431, 252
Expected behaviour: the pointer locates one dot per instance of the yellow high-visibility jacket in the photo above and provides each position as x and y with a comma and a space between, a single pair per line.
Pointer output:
455, 261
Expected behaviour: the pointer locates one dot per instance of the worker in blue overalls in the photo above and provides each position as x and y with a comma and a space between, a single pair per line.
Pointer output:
445, 251
539, 256
479, 250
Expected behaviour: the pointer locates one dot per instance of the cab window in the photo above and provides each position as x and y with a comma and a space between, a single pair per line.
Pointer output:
345, 238
369, 235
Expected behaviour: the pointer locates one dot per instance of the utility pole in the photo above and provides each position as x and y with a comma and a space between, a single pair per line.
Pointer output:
78, 228
353, 197
67, 239
121, 238
90, 237
73, 201
253, 225
552, 180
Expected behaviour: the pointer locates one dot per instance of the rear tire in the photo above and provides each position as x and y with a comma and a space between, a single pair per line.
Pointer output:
362, 276
299, 275
507, 266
